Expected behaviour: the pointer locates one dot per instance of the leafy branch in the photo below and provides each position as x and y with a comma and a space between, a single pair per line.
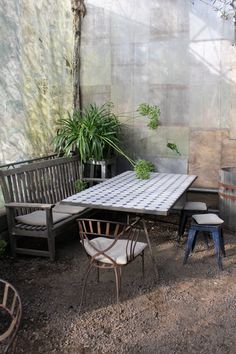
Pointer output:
152, 112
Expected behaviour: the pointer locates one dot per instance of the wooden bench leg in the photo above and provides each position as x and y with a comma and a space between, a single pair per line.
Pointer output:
12, 238
13, 245
51, 247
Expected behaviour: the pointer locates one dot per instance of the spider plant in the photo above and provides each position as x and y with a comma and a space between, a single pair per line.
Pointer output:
92, 133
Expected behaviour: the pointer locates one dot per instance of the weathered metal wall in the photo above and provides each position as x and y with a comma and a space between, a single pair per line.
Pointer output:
36, 45
173, 54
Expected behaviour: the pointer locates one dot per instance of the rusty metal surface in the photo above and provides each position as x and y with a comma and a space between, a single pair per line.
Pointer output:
227, 196
205, 156
227, 186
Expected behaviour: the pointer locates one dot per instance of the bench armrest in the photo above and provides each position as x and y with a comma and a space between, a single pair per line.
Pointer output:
29, 205
10, 208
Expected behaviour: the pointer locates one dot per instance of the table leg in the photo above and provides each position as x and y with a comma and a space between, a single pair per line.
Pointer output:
150, 248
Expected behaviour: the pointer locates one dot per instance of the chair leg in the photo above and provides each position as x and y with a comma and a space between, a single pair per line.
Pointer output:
84, 285
98, 273
216, 239
118, 276
222, 243
191, 237
182, 225
142, 255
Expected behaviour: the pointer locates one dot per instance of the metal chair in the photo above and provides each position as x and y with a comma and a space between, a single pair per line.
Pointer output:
212, 224
188, 210
11, 308
109, 245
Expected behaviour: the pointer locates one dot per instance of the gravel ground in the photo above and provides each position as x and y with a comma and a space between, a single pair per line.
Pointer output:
190, 309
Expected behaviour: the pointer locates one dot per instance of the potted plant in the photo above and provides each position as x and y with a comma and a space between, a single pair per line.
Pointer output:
92, 133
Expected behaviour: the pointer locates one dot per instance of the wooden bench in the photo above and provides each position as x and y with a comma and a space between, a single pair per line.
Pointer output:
32, 194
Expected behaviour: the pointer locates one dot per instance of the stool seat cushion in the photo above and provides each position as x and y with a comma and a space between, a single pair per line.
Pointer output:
195, 206
207, 219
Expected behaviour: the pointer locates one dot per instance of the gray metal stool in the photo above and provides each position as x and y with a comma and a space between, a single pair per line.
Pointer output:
188, 210
212, 224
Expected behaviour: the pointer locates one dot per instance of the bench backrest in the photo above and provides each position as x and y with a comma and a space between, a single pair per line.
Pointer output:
41, 182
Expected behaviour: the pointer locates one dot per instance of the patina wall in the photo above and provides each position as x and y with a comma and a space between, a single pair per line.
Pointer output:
170, 53
36, 46
173, 54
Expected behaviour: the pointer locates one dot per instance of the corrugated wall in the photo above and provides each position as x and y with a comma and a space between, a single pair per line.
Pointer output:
173, 54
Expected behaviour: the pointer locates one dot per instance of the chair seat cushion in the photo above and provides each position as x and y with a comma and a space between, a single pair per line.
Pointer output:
118, 252
207, 219
67, 209
195, 206
38, 218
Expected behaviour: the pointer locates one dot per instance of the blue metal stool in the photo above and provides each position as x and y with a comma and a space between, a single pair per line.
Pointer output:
212, 224
189, 209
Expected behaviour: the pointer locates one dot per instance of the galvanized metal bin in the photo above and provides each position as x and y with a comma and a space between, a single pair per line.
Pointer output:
227, 196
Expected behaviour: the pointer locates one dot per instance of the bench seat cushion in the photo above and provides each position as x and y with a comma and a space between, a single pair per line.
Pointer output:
117, 252
195, 206
38, 218
67, 209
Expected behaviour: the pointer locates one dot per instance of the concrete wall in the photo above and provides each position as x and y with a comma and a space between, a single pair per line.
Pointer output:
173, 54
36, 45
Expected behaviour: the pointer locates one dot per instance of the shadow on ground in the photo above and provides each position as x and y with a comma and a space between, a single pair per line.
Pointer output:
190, 309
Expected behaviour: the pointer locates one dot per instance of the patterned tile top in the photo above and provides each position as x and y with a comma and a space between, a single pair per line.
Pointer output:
127, 193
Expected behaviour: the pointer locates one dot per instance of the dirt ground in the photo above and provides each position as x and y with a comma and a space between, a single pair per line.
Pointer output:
190, 309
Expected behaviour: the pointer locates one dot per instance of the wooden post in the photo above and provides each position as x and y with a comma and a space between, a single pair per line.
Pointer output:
79, 11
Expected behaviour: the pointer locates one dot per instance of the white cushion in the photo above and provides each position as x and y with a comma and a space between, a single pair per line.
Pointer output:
38, 218
207, 219
195, 206
117, 252
67, 209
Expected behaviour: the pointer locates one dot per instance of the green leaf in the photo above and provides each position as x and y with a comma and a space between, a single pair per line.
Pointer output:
173, 147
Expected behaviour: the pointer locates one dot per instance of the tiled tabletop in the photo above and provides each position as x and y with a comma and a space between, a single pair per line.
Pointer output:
127, 193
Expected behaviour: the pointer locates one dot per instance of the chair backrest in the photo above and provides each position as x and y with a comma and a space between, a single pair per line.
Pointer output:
11, 307
91, 228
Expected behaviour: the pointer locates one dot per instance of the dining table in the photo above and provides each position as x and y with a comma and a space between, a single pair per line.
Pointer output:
126, 193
